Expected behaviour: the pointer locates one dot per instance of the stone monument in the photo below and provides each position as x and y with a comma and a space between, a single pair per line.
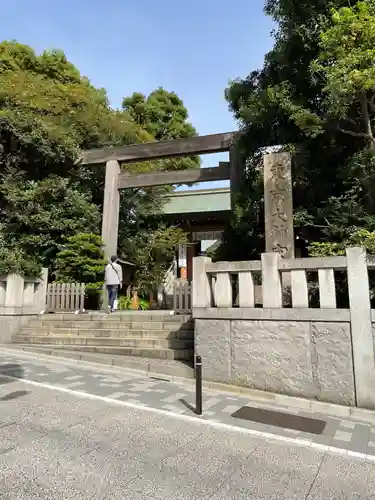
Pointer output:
278, 204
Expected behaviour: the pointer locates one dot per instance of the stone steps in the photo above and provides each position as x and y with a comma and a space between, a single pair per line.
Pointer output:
126, 317
105, 324
124, 341
155, 334
104, 333
136, 327
151, 352
108, 320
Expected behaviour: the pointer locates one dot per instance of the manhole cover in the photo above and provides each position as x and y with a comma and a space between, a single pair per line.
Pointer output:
278, 419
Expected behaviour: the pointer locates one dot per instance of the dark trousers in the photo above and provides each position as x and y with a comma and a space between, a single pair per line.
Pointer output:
112, 294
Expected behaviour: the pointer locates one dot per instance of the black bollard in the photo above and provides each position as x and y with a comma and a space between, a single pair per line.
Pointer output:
198, 385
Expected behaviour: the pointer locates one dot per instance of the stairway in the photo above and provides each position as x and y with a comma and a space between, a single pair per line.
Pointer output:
152, 335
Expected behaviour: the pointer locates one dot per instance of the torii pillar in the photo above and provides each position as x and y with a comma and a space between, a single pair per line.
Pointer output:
111, 208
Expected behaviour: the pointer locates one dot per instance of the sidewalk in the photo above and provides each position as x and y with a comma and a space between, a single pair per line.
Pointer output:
177, 396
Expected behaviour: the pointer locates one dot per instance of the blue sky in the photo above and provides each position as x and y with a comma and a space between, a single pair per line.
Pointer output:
193, 48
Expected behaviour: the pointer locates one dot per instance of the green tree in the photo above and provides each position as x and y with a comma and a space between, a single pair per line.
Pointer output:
49, 113
346, 67
16, 261
152, 252
163, 115
81, 260
285, 104
37, 216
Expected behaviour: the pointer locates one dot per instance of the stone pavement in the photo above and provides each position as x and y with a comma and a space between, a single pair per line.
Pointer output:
65, 446
177, 396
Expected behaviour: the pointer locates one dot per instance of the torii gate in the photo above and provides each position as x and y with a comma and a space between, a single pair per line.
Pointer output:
277, 181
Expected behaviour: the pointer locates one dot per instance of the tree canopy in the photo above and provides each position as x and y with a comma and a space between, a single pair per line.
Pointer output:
49, 113
165, 117
311, 98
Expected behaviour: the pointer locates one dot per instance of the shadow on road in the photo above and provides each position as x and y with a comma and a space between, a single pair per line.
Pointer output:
187, 405
10, 370
15, 371
14, 395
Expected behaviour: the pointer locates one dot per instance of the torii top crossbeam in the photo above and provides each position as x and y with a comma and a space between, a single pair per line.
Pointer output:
116, 179
199, 145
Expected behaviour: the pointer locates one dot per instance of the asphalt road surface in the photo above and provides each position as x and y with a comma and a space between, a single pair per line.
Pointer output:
56, 445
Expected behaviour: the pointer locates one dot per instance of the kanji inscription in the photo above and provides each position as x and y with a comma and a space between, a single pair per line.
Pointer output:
278, 204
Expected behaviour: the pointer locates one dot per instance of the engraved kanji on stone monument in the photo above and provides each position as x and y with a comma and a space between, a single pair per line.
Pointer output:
278, 204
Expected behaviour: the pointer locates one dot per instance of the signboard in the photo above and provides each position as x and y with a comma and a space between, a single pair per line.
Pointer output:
182, 256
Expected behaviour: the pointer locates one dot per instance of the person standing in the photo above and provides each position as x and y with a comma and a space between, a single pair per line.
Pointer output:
113, 281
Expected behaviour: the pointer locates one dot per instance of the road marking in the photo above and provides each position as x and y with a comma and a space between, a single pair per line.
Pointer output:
209, 423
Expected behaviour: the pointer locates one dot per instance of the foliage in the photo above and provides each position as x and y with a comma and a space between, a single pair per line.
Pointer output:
346, 66
37, 216
291, 104
81, 260
243, 237
49, 113
15, 261
163, 115
152, 253
361, 238
125, 302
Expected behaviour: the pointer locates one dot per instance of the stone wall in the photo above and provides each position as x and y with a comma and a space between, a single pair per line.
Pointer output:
300, 358
323, 352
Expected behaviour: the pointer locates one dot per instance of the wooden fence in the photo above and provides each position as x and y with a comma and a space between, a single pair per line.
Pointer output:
182, 297
65, 296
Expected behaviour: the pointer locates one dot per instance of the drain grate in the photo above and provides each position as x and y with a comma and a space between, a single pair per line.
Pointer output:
279, 419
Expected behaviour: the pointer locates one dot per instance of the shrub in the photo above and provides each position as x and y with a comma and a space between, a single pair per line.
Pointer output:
15, 261
82, 261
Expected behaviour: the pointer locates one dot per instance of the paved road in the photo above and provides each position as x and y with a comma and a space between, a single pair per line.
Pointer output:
177, 396
57, 445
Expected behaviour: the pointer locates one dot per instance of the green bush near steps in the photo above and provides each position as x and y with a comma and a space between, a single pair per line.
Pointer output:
82, 261
124, 304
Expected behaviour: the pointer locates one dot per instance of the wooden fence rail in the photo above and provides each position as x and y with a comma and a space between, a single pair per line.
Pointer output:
65, 296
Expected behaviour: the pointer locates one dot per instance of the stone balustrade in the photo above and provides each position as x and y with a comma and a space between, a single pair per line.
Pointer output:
20, 299
290, 346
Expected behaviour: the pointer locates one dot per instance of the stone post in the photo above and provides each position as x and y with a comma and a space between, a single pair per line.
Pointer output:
3, 285
201, 284
278, 204
14, 293
271, 281
361, 327
40, 297
28, 294
111, 207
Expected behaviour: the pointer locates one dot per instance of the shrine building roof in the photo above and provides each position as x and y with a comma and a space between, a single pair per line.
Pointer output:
198, 201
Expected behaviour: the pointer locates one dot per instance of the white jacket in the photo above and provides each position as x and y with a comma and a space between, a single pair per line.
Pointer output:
113, 274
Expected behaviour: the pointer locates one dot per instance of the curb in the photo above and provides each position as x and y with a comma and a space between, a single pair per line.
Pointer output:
145, 368
186, 374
